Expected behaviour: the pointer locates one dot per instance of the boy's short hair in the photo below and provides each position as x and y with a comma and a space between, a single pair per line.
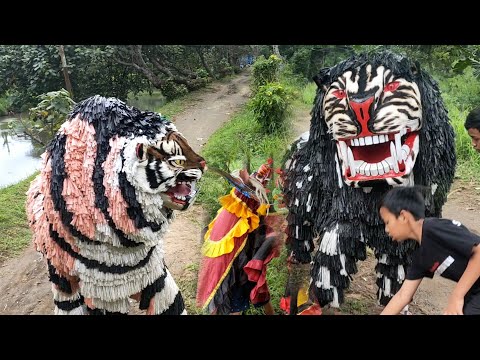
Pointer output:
407, 198
473, 119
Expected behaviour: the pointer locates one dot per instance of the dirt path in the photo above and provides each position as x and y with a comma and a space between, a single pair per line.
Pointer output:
24, 285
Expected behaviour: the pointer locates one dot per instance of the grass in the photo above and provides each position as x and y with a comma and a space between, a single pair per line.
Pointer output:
188, 286
230, 146
156, 102
175, 106
308, 93
14, 231
355, 307
461, 94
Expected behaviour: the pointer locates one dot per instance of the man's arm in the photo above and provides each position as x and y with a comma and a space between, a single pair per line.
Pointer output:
402, 297
470, 275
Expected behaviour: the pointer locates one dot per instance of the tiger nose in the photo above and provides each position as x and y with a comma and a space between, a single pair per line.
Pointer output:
203, 163
362, 108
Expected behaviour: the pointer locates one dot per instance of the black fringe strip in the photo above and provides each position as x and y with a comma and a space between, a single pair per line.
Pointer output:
69, 305
177, 307
56, 188
62, 283
94, 264
149, 292
101, 201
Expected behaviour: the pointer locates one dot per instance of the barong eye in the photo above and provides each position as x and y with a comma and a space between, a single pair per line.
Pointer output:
339, 94
391, 86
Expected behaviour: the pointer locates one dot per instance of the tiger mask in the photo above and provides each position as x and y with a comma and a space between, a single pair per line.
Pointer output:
170, 168
109, 184
374, 114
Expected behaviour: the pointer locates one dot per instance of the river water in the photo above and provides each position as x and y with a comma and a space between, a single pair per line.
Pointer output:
19, 157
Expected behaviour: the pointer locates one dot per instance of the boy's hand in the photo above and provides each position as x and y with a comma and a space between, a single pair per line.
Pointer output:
454, 307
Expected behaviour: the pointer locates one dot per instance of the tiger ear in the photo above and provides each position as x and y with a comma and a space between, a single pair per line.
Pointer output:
322, 78
141, 151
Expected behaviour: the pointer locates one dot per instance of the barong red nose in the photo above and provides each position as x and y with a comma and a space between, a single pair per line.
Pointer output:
362, 112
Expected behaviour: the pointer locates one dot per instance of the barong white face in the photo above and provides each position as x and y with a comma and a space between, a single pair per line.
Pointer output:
374, 116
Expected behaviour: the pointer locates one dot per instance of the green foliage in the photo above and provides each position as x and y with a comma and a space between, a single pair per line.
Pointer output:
211, 188
29, 70
171, 90
301, 61
202, 73
269, 106
468, 159
224, 148
460, 91
307, 60
4, 105
51, 112
309, 92
14, 228
241, 138
224, 68
265, 71
461, 94
188, 286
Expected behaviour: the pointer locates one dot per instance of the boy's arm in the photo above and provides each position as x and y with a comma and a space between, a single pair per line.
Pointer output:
470, 275
402, 297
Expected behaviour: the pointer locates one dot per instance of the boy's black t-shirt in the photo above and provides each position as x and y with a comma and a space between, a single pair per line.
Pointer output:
445, 250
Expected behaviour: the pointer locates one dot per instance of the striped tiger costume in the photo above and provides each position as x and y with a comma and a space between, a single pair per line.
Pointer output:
110, 182
378, 121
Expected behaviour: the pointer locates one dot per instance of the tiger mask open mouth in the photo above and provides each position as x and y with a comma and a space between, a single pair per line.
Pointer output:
374, 116
170, 168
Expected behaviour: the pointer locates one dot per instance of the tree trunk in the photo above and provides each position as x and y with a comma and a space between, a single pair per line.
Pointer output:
204, 63
276, 51
65, 70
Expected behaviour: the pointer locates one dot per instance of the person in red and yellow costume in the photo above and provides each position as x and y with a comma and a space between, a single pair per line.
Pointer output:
238, 245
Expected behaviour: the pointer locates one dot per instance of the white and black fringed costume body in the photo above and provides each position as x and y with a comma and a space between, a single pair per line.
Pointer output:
110, 182
378, 121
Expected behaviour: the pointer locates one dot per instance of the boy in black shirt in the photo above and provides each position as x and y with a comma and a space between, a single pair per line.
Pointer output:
447, 248
472, 124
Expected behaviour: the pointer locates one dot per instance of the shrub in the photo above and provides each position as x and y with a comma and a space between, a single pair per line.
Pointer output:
269, 106
171, 90
51, 112
265, 71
